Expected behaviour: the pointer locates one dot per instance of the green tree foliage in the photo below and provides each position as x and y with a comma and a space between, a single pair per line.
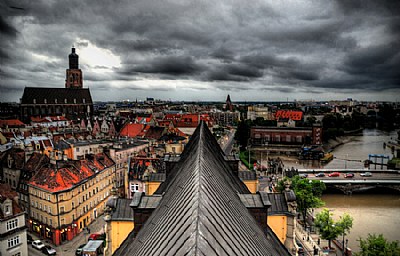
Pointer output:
308, 193
377, 245
329, 229
242, 134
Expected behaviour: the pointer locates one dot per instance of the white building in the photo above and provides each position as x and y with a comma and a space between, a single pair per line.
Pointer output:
13, 238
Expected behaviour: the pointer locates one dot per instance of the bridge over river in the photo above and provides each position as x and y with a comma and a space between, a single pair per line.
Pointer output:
388, 179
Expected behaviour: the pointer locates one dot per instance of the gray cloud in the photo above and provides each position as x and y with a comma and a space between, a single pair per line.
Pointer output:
329, 46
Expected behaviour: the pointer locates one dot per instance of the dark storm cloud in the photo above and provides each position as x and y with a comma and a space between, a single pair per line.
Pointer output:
171, 65
229, 45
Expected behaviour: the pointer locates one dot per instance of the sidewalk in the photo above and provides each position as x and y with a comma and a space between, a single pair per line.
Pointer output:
68, 248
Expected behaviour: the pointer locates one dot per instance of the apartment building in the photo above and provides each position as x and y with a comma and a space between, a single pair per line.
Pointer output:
12, 224
66, 196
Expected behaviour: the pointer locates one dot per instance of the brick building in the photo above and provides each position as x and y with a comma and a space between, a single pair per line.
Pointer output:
73, 101
286, 135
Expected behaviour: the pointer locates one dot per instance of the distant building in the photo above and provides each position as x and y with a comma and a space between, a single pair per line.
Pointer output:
259, 111
228, 104
13, 239
73, 101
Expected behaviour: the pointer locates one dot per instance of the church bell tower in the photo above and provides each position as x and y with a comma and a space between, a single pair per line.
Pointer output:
73, 77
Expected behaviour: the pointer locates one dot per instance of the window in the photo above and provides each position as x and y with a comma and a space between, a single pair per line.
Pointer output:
51, 222
62, 221
12, 224
49, 209
34, 101
62, 209
135, 187
65, 101
84, 100
55, 101
8, 209
17, 254
12, 242
45, 101
48, 198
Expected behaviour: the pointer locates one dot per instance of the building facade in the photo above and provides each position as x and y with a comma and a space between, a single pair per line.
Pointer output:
12, 224
66, 196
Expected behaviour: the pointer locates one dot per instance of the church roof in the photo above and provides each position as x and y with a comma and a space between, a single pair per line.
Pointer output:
40, 94
201, 212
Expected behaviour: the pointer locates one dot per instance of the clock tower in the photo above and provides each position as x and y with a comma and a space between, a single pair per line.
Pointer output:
73, 77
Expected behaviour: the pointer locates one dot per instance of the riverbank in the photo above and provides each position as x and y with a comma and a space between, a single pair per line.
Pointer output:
334, 143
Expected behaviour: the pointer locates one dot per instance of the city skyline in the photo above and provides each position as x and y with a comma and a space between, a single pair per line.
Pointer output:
200, 51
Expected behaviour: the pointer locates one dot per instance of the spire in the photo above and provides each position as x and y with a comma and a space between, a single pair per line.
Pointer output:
73, 59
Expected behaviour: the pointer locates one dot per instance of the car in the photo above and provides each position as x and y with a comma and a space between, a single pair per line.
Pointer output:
349, 175
303, 175
365, 174
37, 244
334, 174
48, 250
79, 251
320, 174
97, 237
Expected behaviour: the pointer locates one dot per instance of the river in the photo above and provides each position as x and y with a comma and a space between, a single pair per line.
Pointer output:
372, 213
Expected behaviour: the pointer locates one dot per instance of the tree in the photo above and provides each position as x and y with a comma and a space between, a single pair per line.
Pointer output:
308, 193
377, 245
242, 134
329, 229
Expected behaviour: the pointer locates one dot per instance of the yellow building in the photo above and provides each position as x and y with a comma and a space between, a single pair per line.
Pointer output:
120, 223
66, 196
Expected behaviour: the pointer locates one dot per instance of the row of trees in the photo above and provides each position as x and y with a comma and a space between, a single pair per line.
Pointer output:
308, 196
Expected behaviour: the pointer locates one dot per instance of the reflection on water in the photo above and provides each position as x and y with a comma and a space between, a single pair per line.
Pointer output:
372, 213
377, 214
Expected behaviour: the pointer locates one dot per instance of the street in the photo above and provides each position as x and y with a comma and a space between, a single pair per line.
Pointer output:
68, 248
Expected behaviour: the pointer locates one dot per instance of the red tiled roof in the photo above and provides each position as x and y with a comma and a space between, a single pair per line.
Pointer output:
53, 180
11, 122
7, 193
131, 130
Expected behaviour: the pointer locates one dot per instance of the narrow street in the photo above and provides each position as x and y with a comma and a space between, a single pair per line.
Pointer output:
68, 248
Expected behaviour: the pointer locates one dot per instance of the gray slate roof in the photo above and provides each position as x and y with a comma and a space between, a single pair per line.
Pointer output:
51, 94
201, 212
122, 210
278, 204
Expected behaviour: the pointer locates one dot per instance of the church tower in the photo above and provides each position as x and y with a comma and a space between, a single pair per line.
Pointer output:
229, 105
73, 77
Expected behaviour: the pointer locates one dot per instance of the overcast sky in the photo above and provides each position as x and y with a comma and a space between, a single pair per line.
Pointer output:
262, 50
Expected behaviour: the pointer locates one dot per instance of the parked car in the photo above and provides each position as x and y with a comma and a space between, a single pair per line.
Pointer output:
49, 250
97, 237
37, 244
334, 174
365, 174
349, 175
320, 174
78, 251
303, 175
